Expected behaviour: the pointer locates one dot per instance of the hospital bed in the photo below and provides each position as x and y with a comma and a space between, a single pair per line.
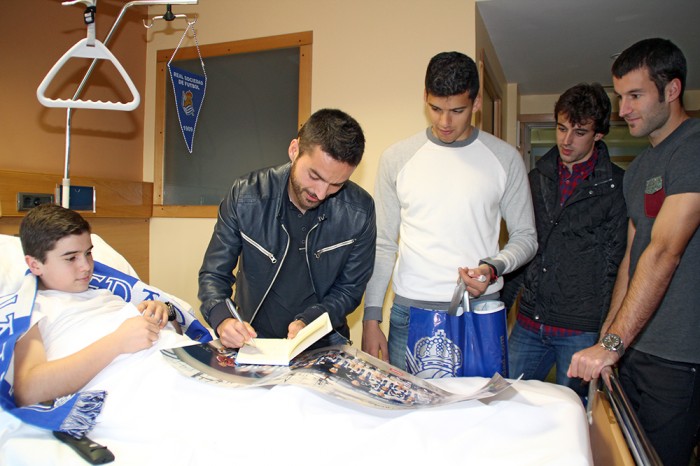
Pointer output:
188, 422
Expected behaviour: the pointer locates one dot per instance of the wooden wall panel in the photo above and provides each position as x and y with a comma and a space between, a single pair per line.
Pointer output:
114, 198
130, 237
122, 215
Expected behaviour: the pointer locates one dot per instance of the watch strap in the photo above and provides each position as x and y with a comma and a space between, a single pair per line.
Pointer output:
172, 314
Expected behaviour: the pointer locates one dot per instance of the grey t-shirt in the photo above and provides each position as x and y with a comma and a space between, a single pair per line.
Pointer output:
672, 167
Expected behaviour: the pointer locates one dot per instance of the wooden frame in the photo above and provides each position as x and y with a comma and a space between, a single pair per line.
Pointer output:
303, 40
491, 97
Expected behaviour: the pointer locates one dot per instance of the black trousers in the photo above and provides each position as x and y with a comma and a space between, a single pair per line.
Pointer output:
666, 398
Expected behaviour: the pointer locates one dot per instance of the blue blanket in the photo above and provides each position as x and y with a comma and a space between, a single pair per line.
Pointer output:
74, 414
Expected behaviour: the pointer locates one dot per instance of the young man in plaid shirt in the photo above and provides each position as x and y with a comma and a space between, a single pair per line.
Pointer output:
581, 229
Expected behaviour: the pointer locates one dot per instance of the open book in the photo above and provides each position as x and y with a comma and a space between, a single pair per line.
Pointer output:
280, 351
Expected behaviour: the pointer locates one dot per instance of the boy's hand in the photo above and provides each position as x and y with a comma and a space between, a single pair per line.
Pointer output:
154, 311
136, 334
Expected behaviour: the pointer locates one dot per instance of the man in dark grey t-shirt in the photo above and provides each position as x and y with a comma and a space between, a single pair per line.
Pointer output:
655, 306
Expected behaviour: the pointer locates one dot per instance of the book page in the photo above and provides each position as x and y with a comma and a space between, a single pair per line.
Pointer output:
280, 351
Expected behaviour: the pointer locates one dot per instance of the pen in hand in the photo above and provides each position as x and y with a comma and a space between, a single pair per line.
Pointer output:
235, 315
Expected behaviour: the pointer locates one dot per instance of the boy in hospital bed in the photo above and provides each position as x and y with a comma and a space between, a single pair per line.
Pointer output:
78, 339
52, 358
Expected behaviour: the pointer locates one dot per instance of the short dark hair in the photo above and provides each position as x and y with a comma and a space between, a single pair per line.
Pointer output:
46, 224
662, 59
336, 133
584, 103
452, 73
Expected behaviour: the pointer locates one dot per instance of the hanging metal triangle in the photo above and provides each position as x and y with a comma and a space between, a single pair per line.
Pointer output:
83, 49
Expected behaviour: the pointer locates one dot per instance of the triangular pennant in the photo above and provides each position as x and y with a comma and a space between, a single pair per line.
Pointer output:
189, 89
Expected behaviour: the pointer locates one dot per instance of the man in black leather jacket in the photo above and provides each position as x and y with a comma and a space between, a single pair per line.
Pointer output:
302, 235
581, 222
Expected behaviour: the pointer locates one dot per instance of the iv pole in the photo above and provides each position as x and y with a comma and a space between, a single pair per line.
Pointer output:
65, 184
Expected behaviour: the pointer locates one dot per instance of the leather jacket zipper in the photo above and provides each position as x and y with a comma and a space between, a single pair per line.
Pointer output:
260, 248
318, 253
273, 260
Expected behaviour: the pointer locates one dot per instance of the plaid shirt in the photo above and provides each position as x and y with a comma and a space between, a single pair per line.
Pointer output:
568, 180
547, 330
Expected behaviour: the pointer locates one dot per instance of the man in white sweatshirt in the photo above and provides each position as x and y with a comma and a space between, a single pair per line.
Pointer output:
440, 197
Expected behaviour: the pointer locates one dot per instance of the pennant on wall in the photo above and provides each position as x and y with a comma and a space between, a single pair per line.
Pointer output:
189, 89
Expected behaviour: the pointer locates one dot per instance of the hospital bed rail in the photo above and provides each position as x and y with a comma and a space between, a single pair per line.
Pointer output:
639, 446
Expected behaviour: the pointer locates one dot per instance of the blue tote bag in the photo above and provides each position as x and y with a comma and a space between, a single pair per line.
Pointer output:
472, 344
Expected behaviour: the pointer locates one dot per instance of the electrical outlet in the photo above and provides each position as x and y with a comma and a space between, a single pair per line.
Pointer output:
26, 201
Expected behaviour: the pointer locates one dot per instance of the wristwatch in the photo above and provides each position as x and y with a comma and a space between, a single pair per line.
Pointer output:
172, 315
613, 342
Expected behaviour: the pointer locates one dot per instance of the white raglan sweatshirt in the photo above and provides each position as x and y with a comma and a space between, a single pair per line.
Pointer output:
445, 202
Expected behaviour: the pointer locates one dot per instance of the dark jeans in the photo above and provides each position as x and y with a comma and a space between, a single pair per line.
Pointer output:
666, 398
533, 355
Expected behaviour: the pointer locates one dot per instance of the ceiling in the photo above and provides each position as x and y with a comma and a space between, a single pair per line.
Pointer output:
547, 46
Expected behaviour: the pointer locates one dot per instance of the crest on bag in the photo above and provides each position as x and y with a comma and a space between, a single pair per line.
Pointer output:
436, 356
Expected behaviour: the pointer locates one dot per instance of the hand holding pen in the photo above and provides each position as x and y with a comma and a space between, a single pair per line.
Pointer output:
235, 333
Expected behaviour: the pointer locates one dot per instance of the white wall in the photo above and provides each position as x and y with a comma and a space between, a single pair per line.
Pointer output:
369, 59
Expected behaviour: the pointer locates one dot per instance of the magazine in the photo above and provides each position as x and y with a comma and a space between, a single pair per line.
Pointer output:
341, 371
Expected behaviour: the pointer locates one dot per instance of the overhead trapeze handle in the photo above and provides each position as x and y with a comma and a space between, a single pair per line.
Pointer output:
96, 51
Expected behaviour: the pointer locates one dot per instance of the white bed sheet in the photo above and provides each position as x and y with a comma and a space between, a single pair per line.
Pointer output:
153, 415
189, 422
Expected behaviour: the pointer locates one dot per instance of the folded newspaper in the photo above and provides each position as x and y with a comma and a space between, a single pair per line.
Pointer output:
341, 371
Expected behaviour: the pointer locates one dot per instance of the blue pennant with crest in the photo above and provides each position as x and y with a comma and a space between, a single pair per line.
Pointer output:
189, 89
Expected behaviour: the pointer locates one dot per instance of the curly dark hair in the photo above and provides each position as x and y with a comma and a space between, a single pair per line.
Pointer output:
336, 133
584, 103
46, 224
662, 58
452, 73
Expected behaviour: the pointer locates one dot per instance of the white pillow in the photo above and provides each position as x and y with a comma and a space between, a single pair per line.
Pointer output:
13, 267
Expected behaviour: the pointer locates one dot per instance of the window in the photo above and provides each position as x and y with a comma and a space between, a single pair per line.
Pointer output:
258, 94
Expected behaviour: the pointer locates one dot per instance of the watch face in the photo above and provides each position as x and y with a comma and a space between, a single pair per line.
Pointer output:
612, 341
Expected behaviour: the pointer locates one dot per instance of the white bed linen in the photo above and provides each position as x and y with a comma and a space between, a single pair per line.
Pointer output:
153, 415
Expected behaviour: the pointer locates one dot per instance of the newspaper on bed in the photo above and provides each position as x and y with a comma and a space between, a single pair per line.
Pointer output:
341, 371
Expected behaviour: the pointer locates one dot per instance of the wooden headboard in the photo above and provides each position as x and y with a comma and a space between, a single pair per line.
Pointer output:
123, 210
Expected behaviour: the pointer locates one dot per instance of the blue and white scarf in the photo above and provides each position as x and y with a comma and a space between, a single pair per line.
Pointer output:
74, 414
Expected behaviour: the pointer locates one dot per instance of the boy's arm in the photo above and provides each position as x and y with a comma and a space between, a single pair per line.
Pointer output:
37, 380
